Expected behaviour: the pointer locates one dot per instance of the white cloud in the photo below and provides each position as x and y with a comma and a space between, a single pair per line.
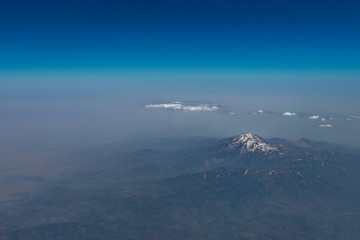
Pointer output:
260, 111
323, 119
204, 108
314, 117
289, 114
352, 117
181, 106
176, 106
232, 113
325, 125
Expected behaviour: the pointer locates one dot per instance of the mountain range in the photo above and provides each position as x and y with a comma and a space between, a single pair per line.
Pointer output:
243, 187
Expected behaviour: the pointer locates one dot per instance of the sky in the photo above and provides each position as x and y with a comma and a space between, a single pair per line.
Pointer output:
82, 75
83, 72
176, 43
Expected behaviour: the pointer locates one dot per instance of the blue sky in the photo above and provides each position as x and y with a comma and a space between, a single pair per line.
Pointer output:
85, 69
236, 41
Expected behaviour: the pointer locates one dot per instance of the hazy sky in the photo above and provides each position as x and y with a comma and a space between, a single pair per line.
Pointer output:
81, 72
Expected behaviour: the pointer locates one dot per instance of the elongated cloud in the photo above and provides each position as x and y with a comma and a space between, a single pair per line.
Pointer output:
177, 106
325, 125
289, 114
352, 117
314, 117
183, 107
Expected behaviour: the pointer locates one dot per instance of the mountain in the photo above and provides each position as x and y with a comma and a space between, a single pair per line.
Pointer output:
224, 203
244, 187
173, 157
248, 143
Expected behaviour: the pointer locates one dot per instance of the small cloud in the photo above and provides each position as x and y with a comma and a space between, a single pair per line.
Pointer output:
289, 114
352, 117
181, 106
314, 117
232, 113
260, 111
331, 118
323, 119
325, 125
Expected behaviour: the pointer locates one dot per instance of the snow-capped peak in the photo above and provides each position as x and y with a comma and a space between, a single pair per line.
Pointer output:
248, 142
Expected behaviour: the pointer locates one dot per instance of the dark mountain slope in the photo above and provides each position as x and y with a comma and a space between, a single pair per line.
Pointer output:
219, 204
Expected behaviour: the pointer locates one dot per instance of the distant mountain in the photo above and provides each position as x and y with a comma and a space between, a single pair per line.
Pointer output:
173, 157
251, 151
248, 143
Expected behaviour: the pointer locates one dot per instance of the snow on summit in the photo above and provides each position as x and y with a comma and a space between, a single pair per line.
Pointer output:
248, 142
